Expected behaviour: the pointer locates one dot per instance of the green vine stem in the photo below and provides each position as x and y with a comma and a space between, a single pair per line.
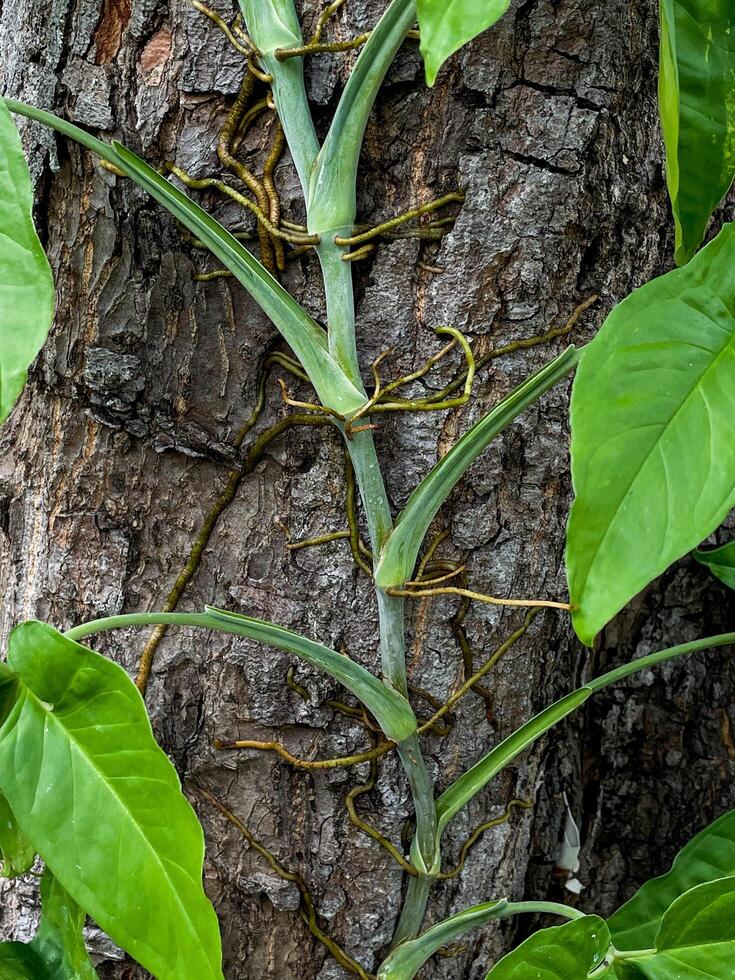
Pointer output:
331, 212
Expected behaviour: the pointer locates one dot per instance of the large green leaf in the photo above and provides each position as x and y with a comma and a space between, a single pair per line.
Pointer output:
103, 806
447, 25
401, 550
653, 434
18, 961
26, 283
567, 952
709, 855
305, 337
720, 561
16, 851
697, 936
697, 107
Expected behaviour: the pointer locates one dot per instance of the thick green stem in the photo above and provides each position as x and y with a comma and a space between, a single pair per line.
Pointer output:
337, 275
414, 909
272, 25
391, 611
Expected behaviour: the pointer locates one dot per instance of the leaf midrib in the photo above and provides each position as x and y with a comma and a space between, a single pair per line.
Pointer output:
49, 714
654, 445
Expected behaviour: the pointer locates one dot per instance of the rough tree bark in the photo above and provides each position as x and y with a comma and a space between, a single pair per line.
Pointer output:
122, 443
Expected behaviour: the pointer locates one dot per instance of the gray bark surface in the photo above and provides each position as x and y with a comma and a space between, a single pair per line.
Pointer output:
123, 441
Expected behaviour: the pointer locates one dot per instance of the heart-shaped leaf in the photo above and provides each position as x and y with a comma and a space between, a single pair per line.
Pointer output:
653, 434
697, 108
709, 855
567, 952
447, 25
102, 804
697, 936
720, 561
26, 283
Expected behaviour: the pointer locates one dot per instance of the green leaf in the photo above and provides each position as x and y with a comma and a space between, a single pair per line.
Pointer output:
392, 711
567, 952
447, 25
103, 806
653, 434
18, 961
709, 855
404, 962
305, 337
697, 936
26, 283
57, 951
471, 782
697, 108
720, 561
331, 200
402, 547
59, 942
16, 851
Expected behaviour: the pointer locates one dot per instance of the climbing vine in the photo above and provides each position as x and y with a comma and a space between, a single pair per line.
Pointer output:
83, 783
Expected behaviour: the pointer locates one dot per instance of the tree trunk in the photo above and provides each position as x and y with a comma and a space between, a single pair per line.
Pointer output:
123, 442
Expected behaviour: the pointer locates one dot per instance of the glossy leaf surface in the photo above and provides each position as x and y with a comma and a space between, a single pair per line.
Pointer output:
697, 936
392, 711
697, 108
103, 806
402, 548
653, 434
720, 561
18, 961
708, 856
16, 851
447, 25
567, 952
26, 283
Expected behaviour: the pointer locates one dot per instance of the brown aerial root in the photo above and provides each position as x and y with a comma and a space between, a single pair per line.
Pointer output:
359, 790
383, 748
382, 399
523, 344
235, 477
478, 832
418, 593
307, 910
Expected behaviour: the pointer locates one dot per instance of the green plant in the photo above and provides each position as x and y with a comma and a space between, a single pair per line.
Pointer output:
653, 467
